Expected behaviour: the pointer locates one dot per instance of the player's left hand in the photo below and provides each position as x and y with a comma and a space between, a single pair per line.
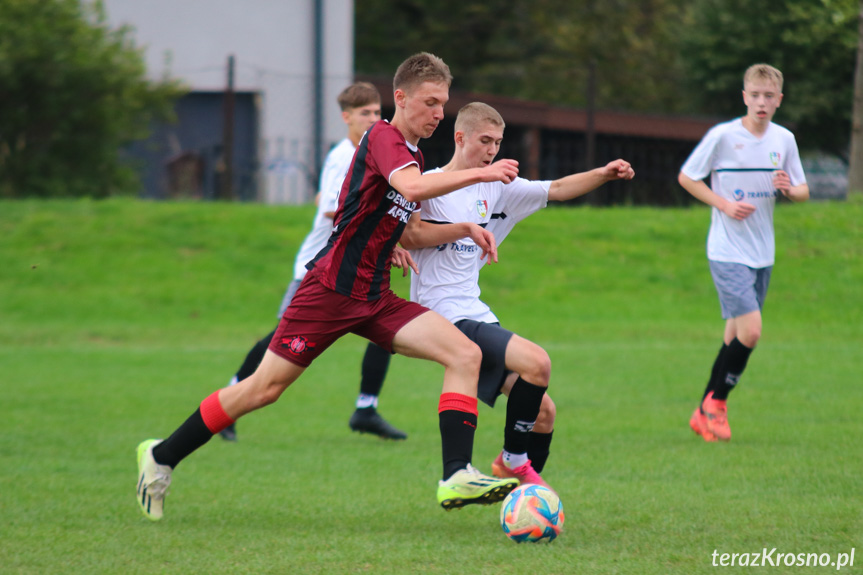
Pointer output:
618, 170
402, 259
782, 182
486, 242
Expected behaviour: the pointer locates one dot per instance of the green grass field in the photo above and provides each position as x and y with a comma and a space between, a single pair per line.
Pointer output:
118, 317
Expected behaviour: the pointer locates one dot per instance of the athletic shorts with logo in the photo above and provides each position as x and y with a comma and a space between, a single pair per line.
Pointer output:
318, 316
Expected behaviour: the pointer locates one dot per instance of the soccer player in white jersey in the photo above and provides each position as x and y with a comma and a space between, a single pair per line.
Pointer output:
750, 162
448, 277
360, 104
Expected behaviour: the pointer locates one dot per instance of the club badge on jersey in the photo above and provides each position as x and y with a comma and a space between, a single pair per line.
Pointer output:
482, 207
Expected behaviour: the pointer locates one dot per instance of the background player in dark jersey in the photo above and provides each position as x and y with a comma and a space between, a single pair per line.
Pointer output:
347, 291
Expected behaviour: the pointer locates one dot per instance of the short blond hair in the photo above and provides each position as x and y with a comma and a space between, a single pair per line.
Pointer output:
419, 68
763, 72
357, 95
475, 115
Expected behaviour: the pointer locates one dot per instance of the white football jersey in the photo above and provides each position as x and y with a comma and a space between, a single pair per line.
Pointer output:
448, 282
741, 168
333, 174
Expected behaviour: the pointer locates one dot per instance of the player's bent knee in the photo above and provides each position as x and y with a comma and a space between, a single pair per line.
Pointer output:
750, 337
539, 371
469, 356
547, 415
269, 395
548, 409
264, 391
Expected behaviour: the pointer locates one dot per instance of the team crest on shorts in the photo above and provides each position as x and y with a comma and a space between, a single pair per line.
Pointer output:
297, 344
482, 207
774, 158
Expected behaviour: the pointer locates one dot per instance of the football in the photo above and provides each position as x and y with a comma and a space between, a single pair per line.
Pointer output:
531, 513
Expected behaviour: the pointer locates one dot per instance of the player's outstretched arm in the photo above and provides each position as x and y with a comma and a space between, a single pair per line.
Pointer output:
701, 191
416, 186
782, 182
419, 234
576, 185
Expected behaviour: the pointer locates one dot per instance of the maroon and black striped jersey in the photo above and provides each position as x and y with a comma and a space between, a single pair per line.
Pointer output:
370, 218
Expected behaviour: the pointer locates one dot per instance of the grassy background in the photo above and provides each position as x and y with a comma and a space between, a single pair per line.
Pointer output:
118, 317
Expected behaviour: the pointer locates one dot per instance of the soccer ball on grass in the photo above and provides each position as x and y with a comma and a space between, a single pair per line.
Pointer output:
531, 513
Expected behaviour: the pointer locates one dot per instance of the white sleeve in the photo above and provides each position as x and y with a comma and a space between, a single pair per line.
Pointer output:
793, 165
521, 198
700, 162
332, 176
518, 199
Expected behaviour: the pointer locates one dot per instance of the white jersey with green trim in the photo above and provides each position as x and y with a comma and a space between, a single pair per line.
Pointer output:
741, 168
448, 282
333, 174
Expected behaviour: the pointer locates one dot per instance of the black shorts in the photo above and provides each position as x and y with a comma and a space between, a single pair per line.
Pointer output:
492, 340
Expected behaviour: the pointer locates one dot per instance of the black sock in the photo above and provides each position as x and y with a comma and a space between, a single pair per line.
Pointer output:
735, 362
714, 373
254, 357
538, 450
457, 429
376, 361
522, 409
186, 439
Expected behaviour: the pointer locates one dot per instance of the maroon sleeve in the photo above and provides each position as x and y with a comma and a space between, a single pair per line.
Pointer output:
388, 152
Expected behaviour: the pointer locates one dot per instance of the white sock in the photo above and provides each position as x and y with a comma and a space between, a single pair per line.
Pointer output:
513, 460
364, 401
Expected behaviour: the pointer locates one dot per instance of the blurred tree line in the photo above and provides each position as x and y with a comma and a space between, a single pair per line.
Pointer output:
72, 93
651, 56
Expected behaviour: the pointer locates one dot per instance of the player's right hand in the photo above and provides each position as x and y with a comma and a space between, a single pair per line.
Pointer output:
501, 171
738, 210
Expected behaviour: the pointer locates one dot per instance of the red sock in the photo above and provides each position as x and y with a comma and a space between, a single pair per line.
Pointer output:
458, 415
213, 414
457, 402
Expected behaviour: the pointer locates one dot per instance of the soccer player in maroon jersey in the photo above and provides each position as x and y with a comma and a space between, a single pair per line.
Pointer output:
347, 291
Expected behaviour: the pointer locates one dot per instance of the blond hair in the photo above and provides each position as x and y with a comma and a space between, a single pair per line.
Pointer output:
419, 68
357, 95
764, 72
475, 115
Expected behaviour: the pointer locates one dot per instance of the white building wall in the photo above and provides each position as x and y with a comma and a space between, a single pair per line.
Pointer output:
272, 42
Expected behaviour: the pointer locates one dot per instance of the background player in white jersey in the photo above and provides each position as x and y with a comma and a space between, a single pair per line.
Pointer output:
448, 277
750, 161
361, 107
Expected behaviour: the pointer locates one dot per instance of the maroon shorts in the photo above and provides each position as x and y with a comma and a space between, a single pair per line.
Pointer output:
318, 316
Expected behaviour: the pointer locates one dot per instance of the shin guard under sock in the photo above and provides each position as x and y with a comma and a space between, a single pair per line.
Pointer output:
197, 430
376, 361
736, 357
255, 357
458, 417
522, 409
715, 372
537, 452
